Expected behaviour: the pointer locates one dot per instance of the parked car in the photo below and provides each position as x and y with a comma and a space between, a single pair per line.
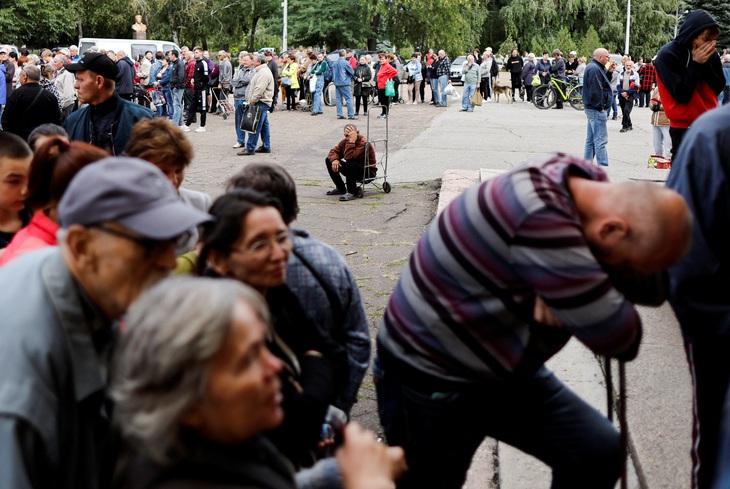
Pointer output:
456, 67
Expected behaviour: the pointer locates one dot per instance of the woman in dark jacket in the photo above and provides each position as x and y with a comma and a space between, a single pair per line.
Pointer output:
528, 72
363, 78
249, 241
514, 65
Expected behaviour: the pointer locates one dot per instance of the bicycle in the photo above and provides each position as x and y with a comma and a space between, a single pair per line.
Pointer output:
546, 96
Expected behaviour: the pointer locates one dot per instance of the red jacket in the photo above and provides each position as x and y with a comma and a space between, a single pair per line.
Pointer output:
385, 73
681, 116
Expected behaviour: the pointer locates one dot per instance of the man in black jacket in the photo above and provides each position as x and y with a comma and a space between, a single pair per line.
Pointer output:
274, 67
199, 83
177, 85
30, 105
125, 78
557, 70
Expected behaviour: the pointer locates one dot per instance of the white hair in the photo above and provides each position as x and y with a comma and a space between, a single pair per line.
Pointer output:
160, 366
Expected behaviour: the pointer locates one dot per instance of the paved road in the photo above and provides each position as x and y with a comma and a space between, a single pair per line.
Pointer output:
377, 233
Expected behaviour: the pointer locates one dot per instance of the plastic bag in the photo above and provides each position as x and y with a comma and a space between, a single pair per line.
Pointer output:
389, 88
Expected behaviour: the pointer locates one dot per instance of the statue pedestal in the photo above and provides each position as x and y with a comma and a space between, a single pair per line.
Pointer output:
139, 35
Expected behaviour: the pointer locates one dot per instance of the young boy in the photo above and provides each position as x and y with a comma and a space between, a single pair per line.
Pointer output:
15, 157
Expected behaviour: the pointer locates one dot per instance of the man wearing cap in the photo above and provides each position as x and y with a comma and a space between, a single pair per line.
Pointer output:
557, 70
572, 64
120, 220
30, 105
107, 120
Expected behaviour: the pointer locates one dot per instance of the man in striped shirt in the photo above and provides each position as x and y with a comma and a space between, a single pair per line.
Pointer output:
498, 284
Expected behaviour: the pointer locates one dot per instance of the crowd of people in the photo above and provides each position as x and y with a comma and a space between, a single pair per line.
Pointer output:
243, 370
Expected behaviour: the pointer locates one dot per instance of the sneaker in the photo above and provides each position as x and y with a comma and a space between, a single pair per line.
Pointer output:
336, 191
340, 116
238, 145
261, 149
245, 153
185, 128
382, 116
348, 196
200, 129
353, 118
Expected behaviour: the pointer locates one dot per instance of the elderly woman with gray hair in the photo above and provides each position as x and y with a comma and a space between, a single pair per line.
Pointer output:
195, 386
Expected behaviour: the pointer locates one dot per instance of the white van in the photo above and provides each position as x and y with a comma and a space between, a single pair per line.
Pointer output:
132, 47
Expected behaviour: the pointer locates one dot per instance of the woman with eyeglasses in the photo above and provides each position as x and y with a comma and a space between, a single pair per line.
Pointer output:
249, 241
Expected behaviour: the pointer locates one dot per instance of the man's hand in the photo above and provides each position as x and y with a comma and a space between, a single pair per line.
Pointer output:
367, 464
336, 165
704, 51
351, 134
543, 315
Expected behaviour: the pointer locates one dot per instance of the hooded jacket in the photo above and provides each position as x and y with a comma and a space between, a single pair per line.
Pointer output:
688, 89
125, 78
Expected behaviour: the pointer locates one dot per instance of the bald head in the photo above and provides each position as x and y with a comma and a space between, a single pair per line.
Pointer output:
636, 226
600, 52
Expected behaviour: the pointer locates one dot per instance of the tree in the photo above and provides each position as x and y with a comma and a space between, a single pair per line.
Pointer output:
589, 43
334, 23
34, 22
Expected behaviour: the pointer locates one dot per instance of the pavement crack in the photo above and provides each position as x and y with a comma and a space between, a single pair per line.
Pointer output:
396, 214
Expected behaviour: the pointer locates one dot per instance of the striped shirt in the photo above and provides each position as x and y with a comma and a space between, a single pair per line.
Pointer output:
463, 307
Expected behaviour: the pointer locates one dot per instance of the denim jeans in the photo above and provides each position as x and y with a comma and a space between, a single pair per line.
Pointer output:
240, 135
262, 130
168, 100
177, 111
443, 81
344, 92
614, 105
317, 95
466, 97
441, 430
596, 136
435, 90
662, 141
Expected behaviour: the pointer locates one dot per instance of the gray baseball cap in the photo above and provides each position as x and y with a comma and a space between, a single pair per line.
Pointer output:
132, 192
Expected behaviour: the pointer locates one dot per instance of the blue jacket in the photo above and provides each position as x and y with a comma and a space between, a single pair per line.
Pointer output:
632, 91
342, 73
79, 127
166, 77
597, 91
700, 282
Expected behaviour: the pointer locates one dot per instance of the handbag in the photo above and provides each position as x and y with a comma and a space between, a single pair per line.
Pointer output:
250, 118
476, 99
535, 81
389, 88
313, 83
285, 81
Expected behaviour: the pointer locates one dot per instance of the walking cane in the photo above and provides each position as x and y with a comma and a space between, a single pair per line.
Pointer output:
621, 404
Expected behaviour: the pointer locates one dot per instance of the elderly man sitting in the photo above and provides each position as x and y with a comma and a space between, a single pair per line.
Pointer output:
120, 222
348, 157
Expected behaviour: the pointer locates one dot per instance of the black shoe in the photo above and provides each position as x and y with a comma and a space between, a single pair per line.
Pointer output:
245, 153
340, 117
315, 113
336, 191
631, 128
348, 196
624, 129
261, 149
614, 118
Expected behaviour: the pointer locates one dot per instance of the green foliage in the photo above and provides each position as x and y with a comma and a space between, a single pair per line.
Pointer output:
507, 46
589, 43
36, 22
333, 23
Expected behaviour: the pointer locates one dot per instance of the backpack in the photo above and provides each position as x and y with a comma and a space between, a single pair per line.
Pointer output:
327, 72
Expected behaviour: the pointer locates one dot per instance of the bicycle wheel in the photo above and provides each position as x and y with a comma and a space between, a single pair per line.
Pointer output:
329, 95
544, 97
575, 97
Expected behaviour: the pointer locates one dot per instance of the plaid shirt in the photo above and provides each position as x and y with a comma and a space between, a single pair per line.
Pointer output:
444, 67
647, 73
189, 73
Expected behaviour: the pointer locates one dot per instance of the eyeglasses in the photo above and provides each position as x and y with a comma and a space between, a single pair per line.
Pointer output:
151, 246
263, 247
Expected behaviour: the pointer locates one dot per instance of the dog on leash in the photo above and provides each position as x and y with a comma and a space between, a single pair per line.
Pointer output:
498, 90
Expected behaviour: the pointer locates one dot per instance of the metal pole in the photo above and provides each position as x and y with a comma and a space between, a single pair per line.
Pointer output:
676, 21
628, 26
283, 35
